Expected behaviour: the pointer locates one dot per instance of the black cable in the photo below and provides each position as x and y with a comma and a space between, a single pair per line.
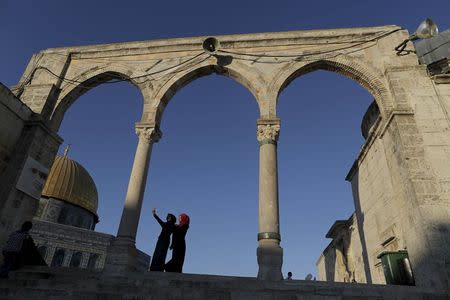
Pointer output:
311, 54
30, 76
258, 56
79, 83
434, 49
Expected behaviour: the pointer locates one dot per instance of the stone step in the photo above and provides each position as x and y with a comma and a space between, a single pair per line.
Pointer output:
36, 293
83, 284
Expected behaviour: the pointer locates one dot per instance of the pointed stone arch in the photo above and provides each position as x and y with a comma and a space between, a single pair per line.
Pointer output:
363, 73
72, 89
247, 77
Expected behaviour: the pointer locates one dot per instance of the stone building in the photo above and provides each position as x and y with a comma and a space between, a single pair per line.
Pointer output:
345, 259
64, 224
342, 260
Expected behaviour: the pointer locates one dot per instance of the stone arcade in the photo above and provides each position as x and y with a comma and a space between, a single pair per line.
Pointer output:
400, 179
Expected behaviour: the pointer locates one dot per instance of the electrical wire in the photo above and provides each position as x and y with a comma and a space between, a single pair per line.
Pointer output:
108, 58
236, 55
30, 76
80, 83
298, 56
434, 49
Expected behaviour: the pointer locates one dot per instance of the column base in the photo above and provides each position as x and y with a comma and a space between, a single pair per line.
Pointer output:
121, 256
270, 260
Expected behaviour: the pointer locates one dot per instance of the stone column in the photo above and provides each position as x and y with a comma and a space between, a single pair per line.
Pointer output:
84, 259
67, 257
50, 253
269, 252
136, 186
122, 254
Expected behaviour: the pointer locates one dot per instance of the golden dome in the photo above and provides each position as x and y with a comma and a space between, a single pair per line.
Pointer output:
70, 182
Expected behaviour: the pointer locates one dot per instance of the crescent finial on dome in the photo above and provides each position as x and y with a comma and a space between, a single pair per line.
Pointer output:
66, 151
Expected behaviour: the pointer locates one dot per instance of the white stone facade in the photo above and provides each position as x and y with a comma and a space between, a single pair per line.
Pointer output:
343, 259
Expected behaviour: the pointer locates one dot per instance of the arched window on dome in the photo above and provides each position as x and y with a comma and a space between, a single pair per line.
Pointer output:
78, 221
58, 258
90, 224
42, 249
92, 263
76, 260
62, 219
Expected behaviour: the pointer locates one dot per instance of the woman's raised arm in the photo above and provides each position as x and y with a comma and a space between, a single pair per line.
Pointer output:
161, 222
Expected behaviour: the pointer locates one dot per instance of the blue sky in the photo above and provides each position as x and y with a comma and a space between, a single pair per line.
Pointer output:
206, 164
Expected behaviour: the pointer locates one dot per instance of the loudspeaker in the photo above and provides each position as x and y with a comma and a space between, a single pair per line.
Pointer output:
210, 45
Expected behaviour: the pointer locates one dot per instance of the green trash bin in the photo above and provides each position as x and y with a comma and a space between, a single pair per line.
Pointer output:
396, 267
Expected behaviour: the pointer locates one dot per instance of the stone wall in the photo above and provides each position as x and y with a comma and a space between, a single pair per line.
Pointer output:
431, 102
416, 144
399, 180
342, 260
23, 136
13, 114
376, 208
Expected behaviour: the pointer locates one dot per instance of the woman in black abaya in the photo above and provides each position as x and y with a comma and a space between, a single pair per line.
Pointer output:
178, 245
160, 253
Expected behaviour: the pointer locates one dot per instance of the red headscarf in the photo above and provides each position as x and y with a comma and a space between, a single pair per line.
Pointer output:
184, 219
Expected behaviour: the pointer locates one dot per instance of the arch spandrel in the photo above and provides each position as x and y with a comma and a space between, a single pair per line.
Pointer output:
363, 73
166, 87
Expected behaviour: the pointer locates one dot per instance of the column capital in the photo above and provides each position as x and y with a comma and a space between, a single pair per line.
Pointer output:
148, 132
268, 132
